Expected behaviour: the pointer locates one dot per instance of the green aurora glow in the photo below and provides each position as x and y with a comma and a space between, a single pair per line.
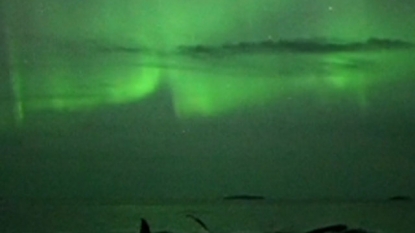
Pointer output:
206, 89
59, 63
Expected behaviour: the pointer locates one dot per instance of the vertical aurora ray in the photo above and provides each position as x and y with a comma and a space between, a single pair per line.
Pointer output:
10, 75
17, 92
5, 91
15, 80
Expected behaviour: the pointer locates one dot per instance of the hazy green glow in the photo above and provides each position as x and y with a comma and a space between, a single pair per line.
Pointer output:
62, 91
57, 67
328, 78
212, 87
68, 77
196, 94
341, 21
348, 78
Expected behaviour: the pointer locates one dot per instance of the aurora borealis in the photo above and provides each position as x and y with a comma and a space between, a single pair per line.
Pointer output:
81, 76
90, 54
270, 85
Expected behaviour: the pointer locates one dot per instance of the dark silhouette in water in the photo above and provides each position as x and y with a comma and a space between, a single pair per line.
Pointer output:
145, 228
338, 228
400, 198
330, 229
356, 231
244, 197
200, 222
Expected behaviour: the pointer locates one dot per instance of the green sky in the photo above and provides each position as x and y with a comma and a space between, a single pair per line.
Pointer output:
157, 23
76, 48
99, 85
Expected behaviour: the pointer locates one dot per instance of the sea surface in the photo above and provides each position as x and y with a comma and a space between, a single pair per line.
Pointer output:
219, 216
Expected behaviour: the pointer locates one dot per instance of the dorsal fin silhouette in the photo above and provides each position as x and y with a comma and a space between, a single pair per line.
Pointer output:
200, 222
145, 228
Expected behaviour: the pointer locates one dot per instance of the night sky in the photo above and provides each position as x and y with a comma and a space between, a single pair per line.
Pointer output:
157, 23
98, 100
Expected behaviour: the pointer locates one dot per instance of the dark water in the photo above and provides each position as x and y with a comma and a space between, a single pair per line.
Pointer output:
219, 216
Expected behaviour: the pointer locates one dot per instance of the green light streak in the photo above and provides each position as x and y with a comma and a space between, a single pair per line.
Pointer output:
18, 108
15, 79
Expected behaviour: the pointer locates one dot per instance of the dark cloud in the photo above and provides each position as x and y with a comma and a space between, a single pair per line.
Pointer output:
297, 46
